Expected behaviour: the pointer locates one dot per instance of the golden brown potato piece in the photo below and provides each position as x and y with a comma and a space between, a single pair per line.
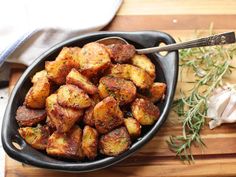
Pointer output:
122, 90
88, 117
88, 114
145, 111
115, 142
142, 61
66, 145
39, 75
66, 60
93, 58
63, 118
50, 124
107, 115
96, 99
133, 127
157, 91
73, 97
90, 142
121, 53
75, 78
37, 137
139, 76
69, 53
29, 117
37, 94
58, 70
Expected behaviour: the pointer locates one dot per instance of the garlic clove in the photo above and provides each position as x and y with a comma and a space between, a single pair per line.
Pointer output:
229, 114
214, 123
217, 103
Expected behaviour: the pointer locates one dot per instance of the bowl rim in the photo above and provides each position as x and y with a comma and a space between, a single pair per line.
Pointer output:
95, 165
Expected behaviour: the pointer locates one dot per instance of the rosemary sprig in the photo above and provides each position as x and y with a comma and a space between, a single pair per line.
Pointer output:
208, 66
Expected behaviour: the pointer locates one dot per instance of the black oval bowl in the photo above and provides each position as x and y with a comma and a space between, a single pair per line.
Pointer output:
166, 71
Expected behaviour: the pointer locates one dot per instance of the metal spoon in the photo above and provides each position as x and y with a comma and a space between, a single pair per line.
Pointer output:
218, 39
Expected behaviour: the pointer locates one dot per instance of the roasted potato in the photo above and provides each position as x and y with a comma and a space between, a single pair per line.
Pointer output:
121, 53
63, 118
139, 76
36, 96
95, 99
29, 117
115, 142
145, 111
143, 62
37, 137
88, 117
90, 142
107, 115
50, 124
157, 91
66, 145
133, 127
122, 90
66, 60
73, 97
69, 53
75, 78
38, 76
93, 58
88, 114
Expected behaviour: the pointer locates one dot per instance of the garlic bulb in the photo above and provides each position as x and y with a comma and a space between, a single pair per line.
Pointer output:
222, 107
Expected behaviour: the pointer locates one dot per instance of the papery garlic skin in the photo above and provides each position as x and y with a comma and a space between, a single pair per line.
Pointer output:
222, 107
217, 103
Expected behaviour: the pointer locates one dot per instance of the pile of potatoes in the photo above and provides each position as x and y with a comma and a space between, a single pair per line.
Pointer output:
90, 100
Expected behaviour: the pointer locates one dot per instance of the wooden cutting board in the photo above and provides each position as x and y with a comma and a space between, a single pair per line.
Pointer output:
179, 18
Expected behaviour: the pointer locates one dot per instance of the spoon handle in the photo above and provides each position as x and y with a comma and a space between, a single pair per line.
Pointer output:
218, 39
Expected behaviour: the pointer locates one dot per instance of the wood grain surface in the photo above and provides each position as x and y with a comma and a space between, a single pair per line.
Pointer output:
180, 18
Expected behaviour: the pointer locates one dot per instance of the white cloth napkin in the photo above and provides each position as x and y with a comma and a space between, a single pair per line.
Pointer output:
48, 22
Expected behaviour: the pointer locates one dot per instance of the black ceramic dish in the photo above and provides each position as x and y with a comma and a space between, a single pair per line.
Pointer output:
166, 71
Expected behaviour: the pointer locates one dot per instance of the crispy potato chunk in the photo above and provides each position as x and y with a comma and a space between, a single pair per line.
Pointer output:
37, 94
63, 118
157, 91
90, 142
88, 117
66, 60
73, 97
75, 78
142, 61
88, 114
39, 75
50, 124
29, 117
66, 145
115, 142
93, 58
133, 127
139, 76
107, 115
37, 137
145, 111
121, 53
124, 91
96, 99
